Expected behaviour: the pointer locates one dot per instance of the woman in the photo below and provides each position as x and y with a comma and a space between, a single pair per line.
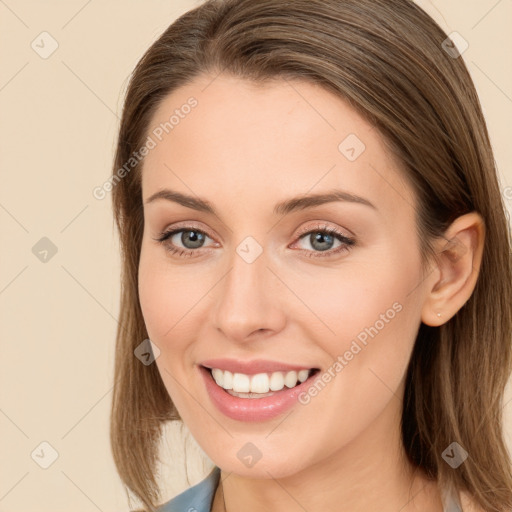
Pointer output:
314, 241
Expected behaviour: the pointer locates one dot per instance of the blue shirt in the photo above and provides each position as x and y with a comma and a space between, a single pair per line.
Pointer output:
199, 498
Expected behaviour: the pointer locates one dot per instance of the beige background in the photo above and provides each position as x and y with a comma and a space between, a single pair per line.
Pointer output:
59, 117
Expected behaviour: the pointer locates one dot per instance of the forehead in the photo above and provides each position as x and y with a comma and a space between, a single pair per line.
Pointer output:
224, 137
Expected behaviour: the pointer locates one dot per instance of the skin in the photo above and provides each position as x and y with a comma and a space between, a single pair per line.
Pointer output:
244, 148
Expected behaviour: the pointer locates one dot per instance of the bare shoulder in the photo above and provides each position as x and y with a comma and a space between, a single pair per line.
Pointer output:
468, 503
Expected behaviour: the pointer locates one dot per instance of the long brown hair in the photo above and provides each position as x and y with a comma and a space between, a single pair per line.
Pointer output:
387, 59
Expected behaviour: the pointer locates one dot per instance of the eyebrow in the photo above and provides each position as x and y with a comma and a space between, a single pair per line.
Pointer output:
283, 208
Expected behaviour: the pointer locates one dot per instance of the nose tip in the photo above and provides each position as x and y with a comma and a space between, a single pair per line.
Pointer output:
246, 302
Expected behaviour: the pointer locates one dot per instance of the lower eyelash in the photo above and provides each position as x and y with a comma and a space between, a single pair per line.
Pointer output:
177, 250
346, 241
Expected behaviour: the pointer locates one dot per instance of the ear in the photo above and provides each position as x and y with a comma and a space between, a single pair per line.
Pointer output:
456, 269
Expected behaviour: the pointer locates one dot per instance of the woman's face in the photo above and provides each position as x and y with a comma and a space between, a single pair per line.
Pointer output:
247, 284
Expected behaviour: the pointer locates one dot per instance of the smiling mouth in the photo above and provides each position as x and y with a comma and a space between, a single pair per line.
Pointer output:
259, 385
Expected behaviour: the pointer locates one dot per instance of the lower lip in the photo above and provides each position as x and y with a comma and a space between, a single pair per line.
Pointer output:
253, 409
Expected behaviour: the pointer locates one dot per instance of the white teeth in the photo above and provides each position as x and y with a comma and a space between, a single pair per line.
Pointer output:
303, 375
260, 383
227, 382
241, 383
218, 375
249, 395
291, 379
276, 381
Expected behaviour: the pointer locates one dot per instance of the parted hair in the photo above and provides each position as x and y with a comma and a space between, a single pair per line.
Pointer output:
386, 58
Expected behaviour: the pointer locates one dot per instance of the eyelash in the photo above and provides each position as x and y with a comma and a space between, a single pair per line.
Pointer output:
347, 242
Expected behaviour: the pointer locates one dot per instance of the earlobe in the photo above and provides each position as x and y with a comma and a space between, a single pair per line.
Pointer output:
457, 265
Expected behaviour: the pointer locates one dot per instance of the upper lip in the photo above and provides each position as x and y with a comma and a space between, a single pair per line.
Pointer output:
253, 367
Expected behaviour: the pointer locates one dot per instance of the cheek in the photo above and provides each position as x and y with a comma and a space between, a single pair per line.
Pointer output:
375, 319
342, 306
152, 299
174, 303
160, 296
366, 313
163, 302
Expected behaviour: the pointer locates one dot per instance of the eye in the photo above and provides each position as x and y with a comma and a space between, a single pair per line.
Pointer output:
190, 238
322, 239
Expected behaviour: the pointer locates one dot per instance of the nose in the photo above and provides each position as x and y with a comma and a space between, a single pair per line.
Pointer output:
249, 300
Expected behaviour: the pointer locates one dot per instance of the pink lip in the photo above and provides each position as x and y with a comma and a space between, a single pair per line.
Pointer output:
252, 367
253, 409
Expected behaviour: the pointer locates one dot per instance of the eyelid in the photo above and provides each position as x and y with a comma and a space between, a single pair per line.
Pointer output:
184, 225
347, 241
320, 226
